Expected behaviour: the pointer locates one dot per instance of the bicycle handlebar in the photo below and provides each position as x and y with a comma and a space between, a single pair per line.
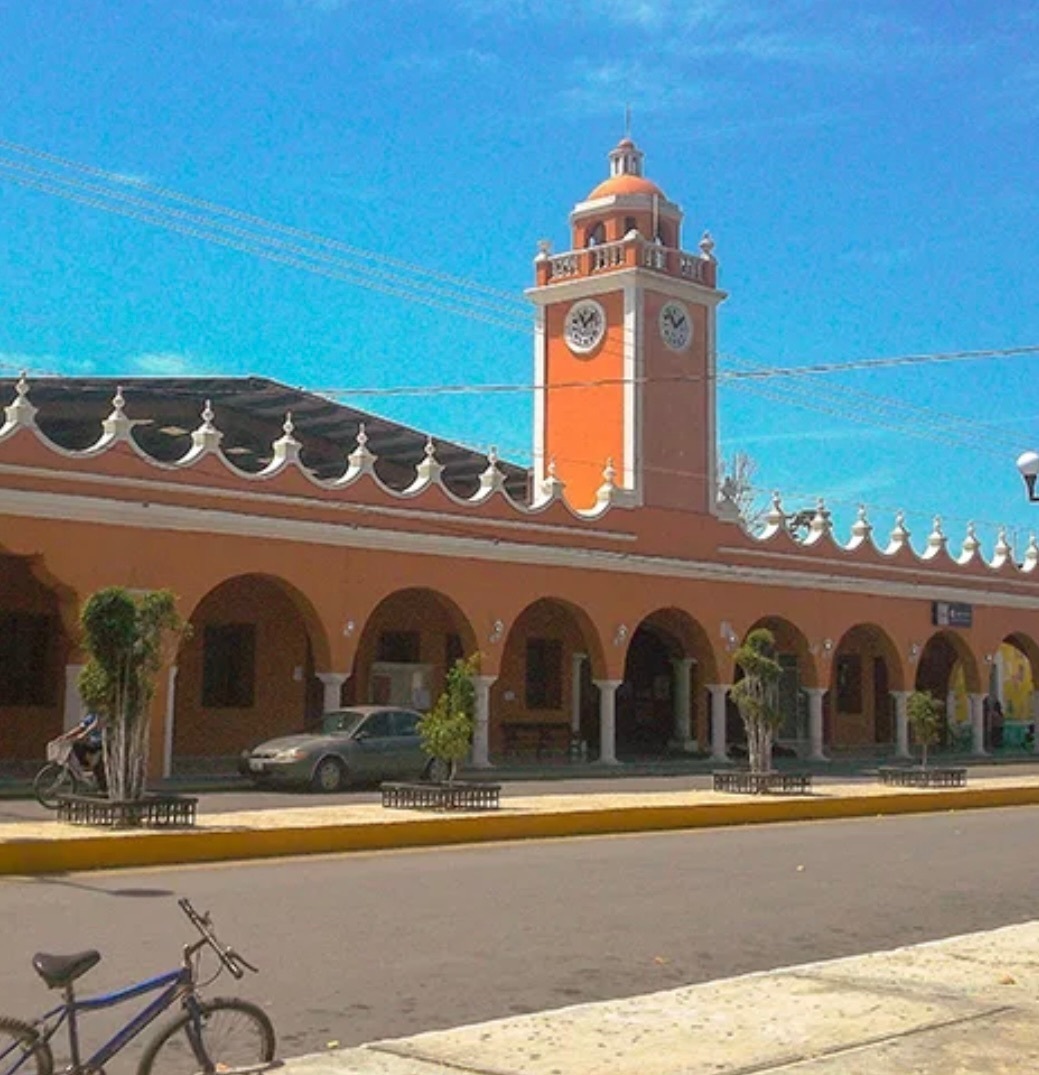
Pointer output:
231, 959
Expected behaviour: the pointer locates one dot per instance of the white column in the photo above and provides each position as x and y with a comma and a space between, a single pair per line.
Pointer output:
171, 705
901, 723
950, 708
333, 684
482, 724
719, 747
576, 666
608, 720
683, 737
815, 723
977, 723
74, 708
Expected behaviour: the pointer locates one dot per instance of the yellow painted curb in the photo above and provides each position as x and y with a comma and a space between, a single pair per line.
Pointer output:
150, 848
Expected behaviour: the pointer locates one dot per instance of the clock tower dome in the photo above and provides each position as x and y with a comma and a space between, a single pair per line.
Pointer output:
624, 349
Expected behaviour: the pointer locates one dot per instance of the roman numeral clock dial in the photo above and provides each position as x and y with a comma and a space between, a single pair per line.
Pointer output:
585, 326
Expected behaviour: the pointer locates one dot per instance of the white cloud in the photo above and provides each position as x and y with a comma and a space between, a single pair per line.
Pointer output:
164, 364
606, 89
424, 63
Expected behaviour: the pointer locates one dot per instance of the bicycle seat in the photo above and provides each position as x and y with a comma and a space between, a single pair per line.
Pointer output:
60, 970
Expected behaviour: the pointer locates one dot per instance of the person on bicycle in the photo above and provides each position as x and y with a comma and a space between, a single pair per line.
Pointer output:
87, 739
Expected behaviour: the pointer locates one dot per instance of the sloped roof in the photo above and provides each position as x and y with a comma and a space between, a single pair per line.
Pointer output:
250, 412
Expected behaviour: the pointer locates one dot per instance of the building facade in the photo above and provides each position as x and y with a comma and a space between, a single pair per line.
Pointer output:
324, 556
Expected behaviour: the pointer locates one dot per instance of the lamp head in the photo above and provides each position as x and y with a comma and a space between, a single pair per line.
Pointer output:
1028, 465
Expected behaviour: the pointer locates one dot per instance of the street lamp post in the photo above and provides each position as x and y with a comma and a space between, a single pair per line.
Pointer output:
1028, 465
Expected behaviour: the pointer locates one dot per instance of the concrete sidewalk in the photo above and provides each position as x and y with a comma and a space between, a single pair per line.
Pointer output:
49, 846
954, 1007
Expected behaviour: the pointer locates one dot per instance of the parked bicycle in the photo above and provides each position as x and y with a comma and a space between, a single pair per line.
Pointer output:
64, 775
223, 1035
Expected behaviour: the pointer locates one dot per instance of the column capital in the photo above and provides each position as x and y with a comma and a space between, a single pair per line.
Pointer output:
336, 679
815, 692
900, 695
610, 685
484, 681
719, 688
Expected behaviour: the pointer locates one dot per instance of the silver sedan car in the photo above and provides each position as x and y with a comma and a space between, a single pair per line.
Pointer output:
360, 745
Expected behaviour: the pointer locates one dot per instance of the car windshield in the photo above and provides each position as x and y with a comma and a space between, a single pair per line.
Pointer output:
346, 721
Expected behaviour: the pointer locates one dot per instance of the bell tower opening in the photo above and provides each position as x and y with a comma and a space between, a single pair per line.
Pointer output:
625, 350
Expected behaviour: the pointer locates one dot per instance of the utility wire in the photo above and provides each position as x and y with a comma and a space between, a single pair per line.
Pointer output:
260, 222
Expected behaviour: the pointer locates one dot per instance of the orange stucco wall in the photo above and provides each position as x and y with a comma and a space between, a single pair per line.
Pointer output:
584, 425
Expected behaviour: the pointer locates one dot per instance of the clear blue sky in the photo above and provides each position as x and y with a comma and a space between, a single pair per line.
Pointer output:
868, 170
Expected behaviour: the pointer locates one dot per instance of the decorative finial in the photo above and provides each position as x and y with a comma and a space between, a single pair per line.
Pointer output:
287, 427
207, 415
431, 448
20, 413
609, 474
627, 121
362, 436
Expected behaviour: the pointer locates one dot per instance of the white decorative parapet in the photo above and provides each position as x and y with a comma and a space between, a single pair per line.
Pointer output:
205, 439
20, 414
286, 449
899, 536
691, 267
861, 529
117, 426
563, 265
608, 256
428, 472
551, 488
971, 546
936, 540
361, 459
492, 480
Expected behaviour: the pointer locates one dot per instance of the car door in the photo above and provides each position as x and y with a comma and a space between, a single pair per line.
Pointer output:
407, 758
371, 743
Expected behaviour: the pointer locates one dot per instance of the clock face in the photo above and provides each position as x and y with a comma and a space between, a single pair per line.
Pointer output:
676, 327
585, 326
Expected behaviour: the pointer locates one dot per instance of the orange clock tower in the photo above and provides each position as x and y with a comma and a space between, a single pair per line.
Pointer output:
624, 349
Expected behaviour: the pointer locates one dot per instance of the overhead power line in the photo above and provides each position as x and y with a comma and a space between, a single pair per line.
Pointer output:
332, 259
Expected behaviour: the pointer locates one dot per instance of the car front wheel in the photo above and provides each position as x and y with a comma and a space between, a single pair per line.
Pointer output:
329, 775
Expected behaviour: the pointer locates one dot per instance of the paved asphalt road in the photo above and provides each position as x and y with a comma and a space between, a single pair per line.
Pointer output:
362, 946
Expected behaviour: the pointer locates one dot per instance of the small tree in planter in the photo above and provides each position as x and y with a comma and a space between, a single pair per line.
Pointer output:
447, 729
125, 636
926, 716
757, 696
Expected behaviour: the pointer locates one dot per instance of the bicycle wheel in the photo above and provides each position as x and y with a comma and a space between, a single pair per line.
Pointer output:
21, 1050
234, 1036
51, 781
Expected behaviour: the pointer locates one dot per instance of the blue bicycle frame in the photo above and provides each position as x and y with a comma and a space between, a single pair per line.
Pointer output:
175, 984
